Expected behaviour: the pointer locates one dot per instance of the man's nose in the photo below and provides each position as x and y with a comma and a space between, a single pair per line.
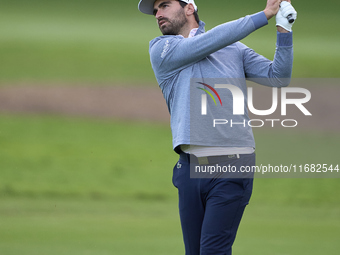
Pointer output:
158, 14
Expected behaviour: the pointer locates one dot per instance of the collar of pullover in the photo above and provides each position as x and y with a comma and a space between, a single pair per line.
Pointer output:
196, 31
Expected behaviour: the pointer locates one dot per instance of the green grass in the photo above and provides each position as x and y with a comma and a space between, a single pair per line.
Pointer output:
80, 186
289, 230
65, 157
107, 41
41, 226
126, 227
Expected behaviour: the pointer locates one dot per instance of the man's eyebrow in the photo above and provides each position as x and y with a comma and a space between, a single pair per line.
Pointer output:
160, 6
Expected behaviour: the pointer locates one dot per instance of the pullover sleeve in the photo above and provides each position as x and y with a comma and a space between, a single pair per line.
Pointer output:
279, 71
170, 54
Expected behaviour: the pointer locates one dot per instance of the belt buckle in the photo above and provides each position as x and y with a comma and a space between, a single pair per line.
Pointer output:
203, 160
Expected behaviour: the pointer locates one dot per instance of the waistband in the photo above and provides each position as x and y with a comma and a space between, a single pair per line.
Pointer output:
190, 158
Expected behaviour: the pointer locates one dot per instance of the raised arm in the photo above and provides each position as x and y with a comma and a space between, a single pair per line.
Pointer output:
170, 53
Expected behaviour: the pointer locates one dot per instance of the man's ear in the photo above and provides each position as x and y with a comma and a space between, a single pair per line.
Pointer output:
190, 9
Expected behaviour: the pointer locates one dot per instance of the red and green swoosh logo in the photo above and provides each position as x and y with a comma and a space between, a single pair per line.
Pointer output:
209, 93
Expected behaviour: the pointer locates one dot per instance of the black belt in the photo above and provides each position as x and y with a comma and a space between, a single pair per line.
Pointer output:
189, 158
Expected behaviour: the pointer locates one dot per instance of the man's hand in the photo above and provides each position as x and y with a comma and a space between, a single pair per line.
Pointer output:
272, 8
282, 23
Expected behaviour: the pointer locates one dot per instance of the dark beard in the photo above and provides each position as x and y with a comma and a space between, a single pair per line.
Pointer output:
173, 27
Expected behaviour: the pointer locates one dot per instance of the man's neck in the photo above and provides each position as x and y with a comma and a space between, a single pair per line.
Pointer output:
185, 32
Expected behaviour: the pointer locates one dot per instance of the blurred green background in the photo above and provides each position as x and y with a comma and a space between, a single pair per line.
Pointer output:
89, 186
107, 40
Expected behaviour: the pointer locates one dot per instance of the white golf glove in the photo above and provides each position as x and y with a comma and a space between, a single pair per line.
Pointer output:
286, 16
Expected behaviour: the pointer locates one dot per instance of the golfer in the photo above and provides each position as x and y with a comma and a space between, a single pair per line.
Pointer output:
184, 60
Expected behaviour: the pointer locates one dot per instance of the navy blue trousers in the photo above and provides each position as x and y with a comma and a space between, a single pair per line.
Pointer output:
211, 208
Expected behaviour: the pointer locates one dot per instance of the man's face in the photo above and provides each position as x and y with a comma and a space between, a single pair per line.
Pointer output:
170, 16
